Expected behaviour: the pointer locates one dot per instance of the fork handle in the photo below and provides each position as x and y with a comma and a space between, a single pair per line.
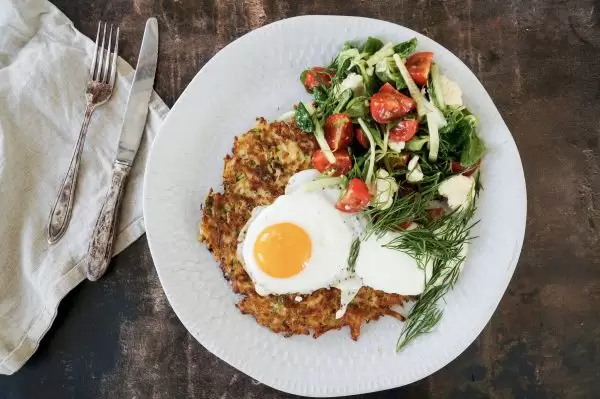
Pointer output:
100, 250
61, 212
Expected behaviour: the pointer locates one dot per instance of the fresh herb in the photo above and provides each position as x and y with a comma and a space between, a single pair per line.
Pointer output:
406, 48
410, 207
416, 143
478, 185
369, 79
372, 45
343, 99
423, 318
473, 150
459, 139
387, 71
454, 116
360, 167
345, 60
357, 107
303, 119
353, 255
375, 130
440, 239
444, 273
320, 95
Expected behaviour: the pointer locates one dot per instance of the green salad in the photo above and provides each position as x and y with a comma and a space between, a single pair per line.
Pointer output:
394, 133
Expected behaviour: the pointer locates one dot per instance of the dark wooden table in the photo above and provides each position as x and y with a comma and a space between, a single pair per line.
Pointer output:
540, 62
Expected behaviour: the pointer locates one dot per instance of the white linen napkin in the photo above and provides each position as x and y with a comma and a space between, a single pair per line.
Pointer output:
44, 65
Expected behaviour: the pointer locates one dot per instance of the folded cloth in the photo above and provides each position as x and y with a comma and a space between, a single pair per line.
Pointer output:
44, 65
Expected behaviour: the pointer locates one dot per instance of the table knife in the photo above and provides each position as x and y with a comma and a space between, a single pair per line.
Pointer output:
101, 244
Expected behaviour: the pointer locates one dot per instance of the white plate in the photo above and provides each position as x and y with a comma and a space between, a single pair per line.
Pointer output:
257, 75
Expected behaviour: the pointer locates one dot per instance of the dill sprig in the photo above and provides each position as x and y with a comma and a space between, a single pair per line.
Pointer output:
410, 207
353, 255
422, 319
326, 99
441, 239
442, 255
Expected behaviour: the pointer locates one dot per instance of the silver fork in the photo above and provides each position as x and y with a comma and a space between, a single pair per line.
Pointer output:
98, 90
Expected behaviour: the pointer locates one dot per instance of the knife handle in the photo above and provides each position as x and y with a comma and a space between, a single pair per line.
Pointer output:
100, 250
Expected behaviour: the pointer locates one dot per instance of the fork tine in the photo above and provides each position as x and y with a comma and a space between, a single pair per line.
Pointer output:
113, 70
93, 67
101, 60
106, 66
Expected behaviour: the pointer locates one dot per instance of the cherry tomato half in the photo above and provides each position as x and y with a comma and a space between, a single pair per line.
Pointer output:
338, 131
341, 166
388, 107
356, 198
456, 167
362, 138
315, 75
405, 225
404, 130
388, 88
418, 66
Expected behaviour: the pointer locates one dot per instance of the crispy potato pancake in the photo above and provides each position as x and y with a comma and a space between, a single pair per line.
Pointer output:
256, 173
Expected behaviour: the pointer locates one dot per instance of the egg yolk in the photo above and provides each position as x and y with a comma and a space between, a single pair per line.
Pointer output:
281, 250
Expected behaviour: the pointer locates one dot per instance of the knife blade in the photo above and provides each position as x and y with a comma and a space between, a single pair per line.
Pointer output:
139, 96
100, 249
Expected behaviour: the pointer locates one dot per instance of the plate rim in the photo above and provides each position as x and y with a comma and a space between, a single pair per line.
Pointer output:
381, 384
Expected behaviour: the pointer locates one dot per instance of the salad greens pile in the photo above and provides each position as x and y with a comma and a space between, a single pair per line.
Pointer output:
416, 150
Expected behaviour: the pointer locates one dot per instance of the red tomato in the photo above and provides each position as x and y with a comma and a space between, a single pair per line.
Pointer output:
341, 166
456, 167
435, 213
404, 157
388, 88
338, 131
404, 130
356, 198
418, 66
388, 107
405, 225
362, 138
315, 75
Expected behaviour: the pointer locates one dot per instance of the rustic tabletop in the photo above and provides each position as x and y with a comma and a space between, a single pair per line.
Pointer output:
539, 61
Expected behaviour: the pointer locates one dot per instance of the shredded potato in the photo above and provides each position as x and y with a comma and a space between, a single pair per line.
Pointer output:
256, 173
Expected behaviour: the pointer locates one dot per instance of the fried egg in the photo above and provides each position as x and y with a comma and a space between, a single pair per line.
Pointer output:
297, 244
301, 243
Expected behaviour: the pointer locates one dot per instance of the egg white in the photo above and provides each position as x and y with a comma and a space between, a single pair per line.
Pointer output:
388, 270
